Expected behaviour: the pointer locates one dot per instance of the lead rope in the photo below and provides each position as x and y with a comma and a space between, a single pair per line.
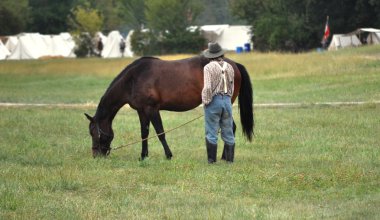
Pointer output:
157, 135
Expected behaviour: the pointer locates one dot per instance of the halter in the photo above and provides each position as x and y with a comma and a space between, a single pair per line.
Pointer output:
100, 131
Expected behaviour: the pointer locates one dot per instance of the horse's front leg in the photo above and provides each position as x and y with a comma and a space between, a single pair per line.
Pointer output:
157, 123
144, 124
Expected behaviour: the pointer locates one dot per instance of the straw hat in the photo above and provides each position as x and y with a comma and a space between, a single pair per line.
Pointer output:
214, 50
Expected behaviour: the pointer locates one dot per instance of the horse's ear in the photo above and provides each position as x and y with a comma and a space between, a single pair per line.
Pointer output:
89, 117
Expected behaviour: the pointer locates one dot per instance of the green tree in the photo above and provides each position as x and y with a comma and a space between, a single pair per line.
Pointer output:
49, 16
122, 15
85, 22
145, 43
112, 13
277, 24
168, 22
83, 18
217, 12
134, 13
171, 15
14, 16
296, 25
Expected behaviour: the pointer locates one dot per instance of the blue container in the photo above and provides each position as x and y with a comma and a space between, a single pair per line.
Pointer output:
247, 47
239, 49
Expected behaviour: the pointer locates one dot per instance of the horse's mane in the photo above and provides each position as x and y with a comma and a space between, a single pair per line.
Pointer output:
125, 70
124, 73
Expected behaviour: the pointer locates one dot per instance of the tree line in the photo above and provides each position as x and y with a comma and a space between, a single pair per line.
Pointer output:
297, 25
285, 25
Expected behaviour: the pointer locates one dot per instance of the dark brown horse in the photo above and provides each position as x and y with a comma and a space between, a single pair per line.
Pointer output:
149, 85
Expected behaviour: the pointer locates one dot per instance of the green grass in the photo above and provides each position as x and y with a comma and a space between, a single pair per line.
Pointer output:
61, 80
349, 75
316, 77
309, 162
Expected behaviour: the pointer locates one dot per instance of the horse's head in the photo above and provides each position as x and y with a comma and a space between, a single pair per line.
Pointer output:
101, 139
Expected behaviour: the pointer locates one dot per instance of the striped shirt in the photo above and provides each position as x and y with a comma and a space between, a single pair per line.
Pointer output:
213, 80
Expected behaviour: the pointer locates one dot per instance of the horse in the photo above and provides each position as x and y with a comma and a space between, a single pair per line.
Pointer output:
149, 85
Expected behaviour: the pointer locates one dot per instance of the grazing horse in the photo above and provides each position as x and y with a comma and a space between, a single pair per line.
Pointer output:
149, 85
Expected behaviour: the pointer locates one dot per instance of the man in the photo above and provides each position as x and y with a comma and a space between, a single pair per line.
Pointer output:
122, 47
100, 46
216, 98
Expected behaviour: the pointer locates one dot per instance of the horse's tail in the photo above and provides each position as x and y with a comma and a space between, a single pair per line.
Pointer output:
246, 103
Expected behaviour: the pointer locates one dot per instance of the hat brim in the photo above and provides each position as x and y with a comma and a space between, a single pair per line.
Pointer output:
207, 54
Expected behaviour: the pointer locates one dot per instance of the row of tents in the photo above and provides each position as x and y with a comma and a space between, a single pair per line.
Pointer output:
354, 39
230, 37
36, 46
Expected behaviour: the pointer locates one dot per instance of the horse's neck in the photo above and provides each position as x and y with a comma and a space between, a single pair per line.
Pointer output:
110, 104
203, 60
116, 96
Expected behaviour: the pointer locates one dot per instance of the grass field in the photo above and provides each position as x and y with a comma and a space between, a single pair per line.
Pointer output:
309, 162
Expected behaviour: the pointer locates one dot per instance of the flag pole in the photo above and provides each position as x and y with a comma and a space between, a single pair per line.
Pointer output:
326, 33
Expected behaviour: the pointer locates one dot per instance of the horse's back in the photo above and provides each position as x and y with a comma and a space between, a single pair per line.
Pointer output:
169, 85
173, 85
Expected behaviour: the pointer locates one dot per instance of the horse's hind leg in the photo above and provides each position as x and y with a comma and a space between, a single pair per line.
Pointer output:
157, 123
144, 123
233, 126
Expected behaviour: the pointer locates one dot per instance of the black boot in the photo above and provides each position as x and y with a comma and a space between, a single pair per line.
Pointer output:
224, 153
229, 152
211, 152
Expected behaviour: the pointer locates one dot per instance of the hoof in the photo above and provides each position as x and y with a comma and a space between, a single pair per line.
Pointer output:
169, 156
142, 158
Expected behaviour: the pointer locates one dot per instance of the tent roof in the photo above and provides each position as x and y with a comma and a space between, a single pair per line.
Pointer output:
341, 41
112, 45
3, 51
228, 36
361, 30
35, 46
217, 29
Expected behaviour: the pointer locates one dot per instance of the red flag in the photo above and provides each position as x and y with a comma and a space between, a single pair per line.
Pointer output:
327, 30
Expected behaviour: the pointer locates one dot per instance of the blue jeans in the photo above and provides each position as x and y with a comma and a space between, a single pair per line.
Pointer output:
218, 114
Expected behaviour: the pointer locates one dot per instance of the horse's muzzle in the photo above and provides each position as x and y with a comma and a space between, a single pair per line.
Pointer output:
104, 152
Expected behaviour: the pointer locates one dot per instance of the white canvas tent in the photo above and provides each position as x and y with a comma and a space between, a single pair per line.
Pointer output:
101, 36
35, 46
373, 35
373, 38
339, 41
128, 48
111, 47
63, 45
369, 35
213, 32
4, 52
228, 36
30, 46
11, 43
